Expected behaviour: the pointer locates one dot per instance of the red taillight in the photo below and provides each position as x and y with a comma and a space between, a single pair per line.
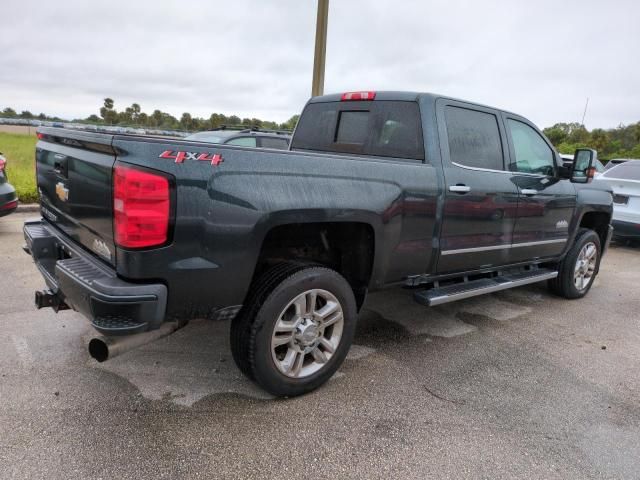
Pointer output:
358, 96
141, 204
40, 135
10, 205
3, 163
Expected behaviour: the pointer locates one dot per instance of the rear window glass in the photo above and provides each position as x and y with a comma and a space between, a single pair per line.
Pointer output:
377, 128
625, 171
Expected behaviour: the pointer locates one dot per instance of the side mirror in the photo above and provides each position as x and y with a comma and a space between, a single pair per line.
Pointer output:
583, 169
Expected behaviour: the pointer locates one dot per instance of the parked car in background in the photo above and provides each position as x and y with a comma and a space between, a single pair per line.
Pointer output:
245, 137
615, 161
624, 180
8, 196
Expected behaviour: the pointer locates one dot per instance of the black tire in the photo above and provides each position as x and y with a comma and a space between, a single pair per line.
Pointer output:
564, 284
241, 324
252, 329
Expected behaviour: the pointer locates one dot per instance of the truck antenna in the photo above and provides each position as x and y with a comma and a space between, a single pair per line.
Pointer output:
585, 112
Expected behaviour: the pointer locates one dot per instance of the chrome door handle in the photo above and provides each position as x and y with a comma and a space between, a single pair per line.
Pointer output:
459, 188
529, 191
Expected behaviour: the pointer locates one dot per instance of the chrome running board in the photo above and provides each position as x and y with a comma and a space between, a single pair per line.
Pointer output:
459, 291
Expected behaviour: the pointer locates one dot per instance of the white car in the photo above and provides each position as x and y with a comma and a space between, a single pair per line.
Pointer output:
624, 180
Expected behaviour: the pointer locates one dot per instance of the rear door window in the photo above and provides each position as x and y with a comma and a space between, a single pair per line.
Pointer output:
378, 128
474, 138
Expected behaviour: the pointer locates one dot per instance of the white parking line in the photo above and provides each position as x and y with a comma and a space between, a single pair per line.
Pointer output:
22, 349
356, 352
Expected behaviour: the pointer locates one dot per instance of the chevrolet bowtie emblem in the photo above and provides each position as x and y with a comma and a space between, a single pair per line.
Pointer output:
62, 192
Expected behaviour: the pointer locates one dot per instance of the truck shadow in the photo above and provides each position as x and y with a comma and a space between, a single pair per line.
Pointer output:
196, 362
186, 366
626, 244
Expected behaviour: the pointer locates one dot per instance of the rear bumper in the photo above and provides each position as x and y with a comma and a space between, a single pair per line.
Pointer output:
8, 199
626, 229
84, 283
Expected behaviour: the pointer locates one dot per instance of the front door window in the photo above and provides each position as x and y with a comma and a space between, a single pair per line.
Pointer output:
533, 155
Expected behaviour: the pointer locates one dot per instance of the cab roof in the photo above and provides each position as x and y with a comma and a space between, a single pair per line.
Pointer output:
400, 96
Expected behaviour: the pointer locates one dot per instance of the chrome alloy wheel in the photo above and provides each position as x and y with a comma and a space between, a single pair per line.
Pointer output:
307, 333
585, 266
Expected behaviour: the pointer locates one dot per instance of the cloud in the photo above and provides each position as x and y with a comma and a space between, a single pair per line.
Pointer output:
253, 58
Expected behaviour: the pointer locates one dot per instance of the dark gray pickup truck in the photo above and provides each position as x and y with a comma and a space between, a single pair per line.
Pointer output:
379, 189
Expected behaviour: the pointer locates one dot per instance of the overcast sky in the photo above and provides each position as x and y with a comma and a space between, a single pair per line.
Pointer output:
540, 58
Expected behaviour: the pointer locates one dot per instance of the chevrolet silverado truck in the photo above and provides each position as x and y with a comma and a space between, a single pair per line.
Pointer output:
378, 189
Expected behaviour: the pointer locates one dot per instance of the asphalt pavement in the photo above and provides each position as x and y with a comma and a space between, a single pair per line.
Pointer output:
518, 384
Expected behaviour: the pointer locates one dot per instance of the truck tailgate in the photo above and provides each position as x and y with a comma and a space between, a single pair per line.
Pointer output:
74, 173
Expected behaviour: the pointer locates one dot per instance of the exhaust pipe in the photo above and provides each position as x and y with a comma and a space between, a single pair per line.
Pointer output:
103, 348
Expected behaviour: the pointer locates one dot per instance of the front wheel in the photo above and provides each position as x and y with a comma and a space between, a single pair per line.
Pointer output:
579, 268
295, 333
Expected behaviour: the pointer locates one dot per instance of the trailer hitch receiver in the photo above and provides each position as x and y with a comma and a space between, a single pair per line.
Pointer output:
47, 298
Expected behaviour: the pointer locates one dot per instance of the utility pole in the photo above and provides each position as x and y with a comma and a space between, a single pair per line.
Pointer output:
317, 87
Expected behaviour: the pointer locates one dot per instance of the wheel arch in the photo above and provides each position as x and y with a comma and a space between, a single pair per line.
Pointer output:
597, 221
347, 247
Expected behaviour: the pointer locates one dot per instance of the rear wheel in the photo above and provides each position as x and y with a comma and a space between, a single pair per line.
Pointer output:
579, 268
295, 332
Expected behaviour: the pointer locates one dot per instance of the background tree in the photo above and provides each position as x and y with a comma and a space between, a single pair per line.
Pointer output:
107, 112
135, 112
556, 134
186, 121
291, 123
599, 139
156, 118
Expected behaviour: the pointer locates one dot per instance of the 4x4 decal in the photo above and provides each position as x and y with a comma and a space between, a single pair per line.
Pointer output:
180, 157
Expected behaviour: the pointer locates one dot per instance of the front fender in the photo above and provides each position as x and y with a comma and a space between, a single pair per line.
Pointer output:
593, 200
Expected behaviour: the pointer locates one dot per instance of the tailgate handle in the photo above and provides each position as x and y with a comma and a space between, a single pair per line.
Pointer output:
60, 164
